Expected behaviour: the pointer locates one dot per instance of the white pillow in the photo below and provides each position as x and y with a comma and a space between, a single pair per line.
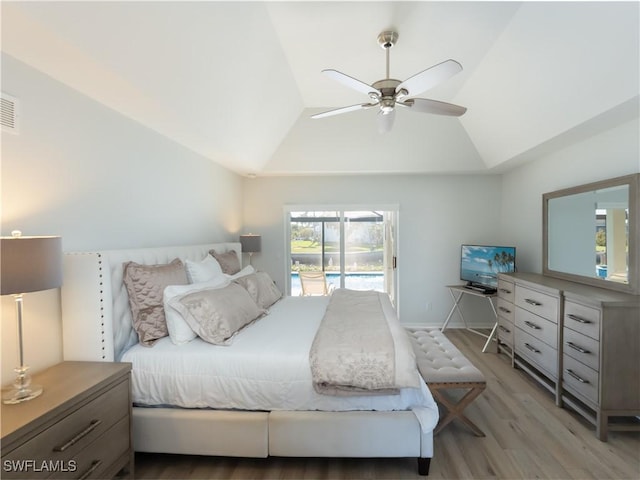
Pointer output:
203, 271
179, 330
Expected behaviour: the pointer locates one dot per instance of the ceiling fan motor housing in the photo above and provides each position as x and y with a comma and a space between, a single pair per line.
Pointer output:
388, 98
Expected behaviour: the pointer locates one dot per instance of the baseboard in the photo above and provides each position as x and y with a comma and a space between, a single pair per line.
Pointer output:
419, 326
422, 326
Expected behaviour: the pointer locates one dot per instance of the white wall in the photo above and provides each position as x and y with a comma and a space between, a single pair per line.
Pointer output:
82, 171
610, 154
437, 215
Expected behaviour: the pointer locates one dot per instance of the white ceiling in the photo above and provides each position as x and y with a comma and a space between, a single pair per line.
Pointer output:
237, 81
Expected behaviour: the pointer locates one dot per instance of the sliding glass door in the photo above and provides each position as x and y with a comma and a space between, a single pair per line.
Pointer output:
354, 247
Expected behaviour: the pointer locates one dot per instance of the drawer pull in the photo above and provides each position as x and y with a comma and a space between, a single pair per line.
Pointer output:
504, 329
94, 466
505, 290
577, 318
533, 349
576, 376
531, 325
505, 310
76, 438
532, 302
576, 347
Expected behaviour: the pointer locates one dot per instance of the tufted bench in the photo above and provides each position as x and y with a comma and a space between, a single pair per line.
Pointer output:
444, 368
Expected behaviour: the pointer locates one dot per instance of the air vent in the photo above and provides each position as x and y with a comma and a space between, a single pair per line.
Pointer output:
9, 111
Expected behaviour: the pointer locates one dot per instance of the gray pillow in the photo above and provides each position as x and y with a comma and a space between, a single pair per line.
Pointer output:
261, 287
145, 285
228, 261
217, 314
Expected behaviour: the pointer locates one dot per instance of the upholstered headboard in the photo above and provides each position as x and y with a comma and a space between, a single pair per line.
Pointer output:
96, 318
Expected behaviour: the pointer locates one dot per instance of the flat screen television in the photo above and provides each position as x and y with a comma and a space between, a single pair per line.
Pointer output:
480, 265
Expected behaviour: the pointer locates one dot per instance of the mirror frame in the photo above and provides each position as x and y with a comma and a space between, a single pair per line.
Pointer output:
633, 285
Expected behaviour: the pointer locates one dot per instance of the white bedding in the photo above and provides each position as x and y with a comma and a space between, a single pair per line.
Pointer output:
266, 368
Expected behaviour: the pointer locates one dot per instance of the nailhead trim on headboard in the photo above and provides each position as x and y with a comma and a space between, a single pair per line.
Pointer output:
102, 333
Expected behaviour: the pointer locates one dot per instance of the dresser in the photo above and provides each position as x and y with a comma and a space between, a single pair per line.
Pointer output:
506, 314
80, 427
580, 342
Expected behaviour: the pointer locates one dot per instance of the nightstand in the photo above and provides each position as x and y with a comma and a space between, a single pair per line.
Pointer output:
80, 427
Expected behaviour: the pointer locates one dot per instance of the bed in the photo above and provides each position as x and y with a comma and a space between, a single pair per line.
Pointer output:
290, 419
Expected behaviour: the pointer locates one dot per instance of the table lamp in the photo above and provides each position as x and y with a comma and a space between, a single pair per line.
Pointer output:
27, 264
251, 244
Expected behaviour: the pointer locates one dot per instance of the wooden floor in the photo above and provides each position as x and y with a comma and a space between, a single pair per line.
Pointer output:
527, 437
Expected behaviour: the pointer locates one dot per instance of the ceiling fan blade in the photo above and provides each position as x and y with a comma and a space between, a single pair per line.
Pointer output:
338, 111
424, 105
351, 82
430, 77
385, 121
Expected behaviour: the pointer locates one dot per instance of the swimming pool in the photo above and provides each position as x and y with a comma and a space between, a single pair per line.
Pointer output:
355, 281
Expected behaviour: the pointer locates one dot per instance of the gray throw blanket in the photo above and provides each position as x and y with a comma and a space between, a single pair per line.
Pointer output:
353, 350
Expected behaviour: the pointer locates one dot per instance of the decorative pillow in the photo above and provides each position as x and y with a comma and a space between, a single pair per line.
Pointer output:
203, 271
179, 330
228, 261
261, 287
145, 286
217, 314
248, 270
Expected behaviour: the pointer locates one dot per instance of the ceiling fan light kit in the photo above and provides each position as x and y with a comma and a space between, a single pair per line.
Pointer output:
387, 93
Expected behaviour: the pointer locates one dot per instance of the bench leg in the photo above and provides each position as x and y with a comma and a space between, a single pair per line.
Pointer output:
455, 410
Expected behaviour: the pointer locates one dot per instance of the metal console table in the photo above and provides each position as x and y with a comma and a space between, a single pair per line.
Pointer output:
457, 293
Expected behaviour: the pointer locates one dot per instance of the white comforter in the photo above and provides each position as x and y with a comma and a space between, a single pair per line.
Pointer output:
266, 368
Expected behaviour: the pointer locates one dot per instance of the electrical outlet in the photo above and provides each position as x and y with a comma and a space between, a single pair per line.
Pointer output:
428, 306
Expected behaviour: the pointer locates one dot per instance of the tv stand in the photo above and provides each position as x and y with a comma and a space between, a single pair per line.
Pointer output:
457, 293
481, 289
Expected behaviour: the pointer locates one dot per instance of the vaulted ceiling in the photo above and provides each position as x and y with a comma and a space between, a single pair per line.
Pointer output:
238, 81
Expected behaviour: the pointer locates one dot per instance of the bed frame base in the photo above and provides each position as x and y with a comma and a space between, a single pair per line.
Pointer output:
201, 432
281, 434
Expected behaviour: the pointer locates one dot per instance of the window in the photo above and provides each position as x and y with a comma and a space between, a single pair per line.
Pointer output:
354, 247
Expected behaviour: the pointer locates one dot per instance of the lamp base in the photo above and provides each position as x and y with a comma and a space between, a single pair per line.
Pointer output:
23, 389
16, 395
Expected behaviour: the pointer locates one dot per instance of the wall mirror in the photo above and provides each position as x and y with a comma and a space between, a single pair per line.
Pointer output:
590, 234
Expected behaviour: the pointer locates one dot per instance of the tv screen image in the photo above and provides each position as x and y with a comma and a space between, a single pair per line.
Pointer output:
480, 264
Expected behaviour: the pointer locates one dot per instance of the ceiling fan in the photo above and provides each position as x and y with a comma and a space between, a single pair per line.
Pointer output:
388, 93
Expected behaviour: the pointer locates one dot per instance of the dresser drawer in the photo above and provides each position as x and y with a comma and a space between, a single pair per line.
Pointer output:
62, 441
537, 353
506, 290
584, 349
580, 379
539, 303
538, 327
505, 309
92, 462
580, 318
505, 331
